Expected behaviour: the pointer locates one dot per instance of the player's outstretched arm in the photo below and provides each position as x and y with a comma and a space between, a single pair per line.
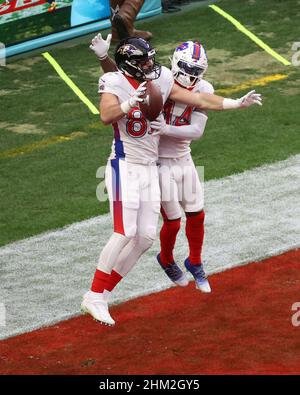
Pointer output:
100, 48
210, 101
192, 132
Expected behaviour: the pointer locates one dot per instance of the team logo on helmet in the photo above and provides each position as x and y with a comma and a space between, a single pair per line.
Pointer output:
182, 47
129, 49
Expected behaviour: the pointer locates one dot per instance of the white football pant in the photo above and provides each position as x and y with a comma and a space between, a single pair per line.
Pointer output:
180, 186
134, 196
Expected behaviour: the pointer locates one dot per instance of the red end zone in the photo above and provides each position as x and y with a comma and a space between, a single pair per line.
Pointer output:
244, 327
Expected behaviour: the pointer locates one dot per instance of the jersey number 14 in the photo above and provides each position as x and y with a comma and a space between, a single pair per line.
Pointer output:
180, 120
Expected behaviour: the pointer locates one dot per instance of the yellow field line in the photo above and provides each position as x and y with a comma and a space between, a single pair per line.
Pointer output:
27, 149
70, 83
251, 83
252, 36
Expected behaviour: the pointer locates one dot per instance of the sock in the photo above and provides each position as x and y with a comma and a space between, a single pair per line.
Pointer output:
168, 235
99, 281
194, 231
113, 280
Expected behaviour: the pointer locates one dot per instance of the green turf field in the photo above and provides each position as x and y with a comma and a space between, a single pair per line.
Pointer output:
56, 185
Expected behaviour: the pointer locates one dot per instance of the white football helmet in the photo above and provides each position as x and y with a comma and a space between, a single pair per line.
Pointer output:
189, 63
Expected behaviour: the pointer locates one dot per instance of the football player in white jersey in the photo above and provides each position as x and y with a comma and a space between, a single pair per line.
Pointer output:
132, 178
180, 184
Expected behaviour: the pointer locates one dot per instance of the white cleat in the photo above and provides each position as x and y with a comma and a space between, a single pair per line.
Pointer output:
182, 281
199, 275
96, 305
203, 286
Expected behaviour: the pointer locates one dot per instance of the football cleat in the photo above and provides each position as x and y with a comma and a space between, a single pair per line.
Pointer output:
174, 273
199, 275
96, 305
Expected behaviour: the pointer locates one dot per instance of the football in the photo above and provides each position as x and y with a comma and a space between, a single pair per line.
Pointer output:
154, 106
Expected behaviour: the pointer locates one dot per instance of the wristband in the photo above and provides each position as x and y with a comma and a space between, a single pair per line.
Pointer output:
125, 107
103, 57
229, 104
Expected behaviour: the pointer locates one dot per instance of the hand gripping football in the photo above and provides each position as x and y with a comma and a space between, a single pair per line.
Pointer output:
154, 103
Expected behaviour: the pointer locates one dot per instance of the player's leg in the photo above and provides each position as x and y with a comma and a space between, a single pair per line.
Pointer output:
192, 203
124, 216
170, 209
171, 213
148, 216
168, 232
147, 219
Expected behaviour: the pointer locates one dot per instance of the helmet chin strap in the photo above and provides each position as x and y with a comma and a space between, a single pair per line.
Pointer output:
185, 80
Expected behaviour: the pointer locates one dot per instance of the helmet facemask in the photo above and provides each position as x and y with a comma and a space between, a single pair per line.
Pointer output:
144, 70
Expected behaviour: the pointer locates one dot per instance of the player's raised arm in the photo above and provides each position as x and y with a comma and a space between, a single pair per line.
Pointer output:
101, 47
210, 101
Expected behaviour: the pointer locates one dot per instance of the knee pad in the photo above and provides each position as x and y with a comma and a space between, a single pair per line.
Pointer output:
143, 243
149, 233
111, 251
130, 231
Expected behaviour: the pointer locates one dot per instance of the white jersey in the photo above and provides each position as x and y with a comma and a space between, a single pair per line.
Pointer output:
132, 140
179, 114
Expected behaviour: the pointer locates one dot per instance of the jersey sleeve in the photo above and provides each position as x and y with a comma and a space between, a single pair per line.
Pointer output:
170, 81
108, 83
207, 87
193, 131
204, 87
166, 82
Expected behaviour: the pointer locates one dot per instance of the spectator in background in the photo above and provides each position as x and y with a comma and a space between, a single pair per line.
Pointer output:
123, 16
171, 5
52, 5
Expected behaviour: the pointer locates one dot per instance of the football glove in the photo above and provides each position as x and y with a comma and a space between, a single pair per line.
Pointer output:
158, 126
249, 99
135, 99
101, 46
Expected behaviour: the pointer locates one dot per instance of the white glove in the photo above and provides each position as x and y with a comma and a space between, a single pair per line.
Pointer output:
249, 99
101, 46
135, 99
158, 126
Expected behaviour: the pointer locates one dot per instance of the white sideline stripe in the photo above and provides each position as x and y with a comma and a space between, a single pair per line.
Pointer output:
250, 216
